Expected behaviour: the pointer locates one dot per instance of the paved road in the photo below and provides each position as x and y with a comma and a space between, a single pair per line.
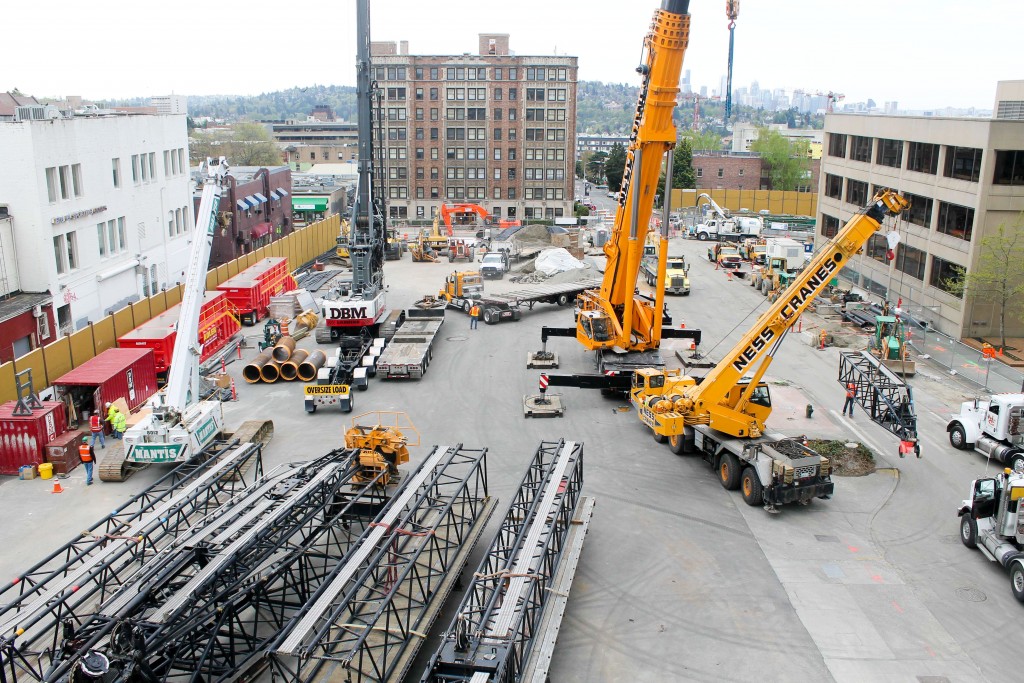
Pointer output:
679, 580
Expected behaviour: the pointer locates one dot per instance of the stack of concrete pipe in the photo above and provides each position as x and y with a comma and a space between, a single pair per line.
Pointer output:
269, 365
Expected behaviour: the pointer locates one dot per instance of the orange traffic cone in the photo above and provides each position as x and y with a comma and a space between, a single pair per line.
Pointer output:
57, 487
728, 274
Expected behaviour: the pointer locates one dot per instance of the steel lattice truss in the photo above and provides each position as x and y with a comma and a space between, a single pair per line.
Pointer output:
206, 609
886, 398
491, 636
68, 584
370, 616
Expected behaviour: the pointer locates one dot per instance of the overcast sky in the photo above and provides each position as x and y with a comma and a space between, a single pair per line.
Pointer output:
921, 53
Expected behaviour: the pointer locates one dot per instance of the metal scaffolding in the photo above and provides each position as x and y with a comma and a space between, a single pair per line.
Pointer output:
886, 398
498, 624
366, 621
59, 593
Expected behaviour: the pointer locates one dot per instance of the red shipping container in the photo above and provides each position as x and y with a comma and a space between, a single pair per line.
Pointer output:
251, 290
217, 324
23, 438
116, 373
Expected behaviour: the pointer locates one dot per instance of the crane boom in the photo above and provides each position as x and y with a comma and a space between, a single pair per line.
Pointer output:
614, 316
182, 388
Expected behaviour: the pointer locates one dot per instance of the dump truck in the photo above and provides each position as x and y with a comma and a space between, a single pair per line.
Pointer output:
408, 353
677, 274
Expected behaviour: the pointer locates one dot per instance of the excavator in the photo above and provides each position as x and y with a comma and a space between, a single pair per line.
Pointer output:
426, 247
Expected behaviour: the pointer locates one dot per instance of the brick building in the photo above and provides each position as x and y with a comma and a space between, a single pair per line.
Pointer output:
255, 210
741, 171
314, 141
494, 129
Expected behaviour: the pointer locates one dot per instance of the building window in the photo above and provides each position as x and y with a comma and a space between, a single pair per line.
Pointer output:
856, 192
101, 237
837, 145
829, 226
51, 184
944, 276
1009, 167
923, 157
60, 254
963, 163
700, 172
135, 169
152, 165
878, 249
911, 261
890, 153
920, 212
860, 148
956, 221
833, 186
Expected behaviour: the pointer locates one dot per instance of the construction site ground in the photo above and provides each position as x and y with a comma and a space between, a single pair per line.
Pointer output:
679, 580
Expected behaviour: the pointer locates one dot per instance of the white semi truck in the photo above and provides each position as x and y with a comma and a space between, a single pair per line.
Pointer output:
994, 428
990, 521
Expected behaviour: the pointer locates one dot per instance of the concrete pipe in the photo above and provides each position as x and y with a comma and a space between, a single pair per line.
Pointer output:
270, 372
309, 367
283, 350
251, 372
290, 368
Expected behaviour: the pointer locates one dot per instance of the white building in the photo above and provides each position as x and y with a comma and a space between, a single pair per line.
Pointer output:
100, 205
745, 134
964, 178
169, 104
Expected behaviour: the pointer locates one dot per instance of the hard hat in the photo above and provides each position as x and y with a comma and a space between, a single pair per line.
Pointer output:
85, 439
107, 404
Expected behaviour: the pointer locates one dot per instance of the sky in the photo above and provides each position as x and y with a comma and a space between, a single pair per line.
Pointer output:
923, 54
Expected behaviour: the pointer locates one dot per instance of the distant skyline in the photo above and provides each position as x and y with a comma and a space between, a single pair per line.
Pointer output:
924, 54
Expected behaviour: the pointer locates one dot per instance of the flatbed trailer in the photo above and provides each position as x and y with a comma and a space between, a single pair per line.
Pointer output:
496, 308
408, 353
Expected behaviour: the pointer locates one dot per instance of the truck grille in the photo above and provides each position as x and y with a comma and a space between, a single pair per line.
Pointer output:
805, 472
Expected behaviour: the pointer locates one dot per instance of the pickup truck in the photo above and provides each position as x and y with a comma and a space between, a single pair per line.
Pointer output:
494, 264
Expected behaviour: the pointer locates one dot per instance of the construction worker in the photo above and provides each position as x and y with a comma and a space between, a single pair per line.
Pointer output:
86, 454
112, 412
474, 316
120, 423
96, 429
851, 392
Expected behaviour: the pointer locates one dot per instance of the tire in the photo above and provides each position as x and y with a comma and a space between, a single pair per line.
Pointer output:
729, 471
677, 444
488, 318
658, 438
563, 299
351, 402
466, 306
1015, 458
312, 410
1017, 580
968, 531
958, 438
702, 236
750, 487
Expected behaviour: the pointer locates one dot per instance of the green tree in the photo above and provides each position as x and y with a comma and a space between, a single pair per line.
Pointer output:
251, 146
998, 277
579, 168
683, 175
595, 167
787, 161
703, 140
614, 167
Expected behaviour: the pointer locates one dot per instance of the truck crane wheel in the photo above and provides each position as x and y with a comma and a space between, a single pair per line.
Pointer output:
968, 531
676, 443
659, 438
958, 437
750, 486
729, 471
1017, 580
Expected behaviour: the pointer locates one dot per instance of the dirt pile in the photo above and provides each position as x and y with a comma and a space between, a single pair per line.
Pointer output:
846, 461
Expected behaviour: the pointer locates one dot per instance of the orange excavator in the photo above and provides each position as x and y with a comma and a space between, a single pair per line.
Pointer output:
463, 214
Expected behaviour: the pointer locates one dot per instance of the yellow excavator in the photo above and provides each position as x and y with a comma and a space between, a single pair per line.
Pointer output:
427, 247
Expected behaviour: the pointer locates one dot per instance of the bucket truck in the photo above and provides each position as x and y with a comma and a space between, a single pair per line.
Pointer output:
179, 426
722, 417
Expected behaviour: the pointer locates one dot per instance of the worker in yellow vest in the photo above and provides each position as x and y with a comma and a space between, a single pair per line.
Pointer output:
86, 454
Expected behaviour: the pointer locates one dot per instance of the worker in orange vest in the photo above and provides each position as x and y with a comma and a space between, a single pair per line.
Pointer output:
850, 394
474, 316
86, 454
96, 429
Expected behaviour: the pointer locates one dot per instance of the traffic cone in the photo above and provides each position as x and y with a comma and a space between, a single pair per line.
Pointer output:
57, 488
234, 394
728, 274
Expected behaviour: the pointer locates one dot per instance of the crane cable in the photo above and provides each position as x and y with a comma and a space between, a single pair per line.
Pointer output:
903, 345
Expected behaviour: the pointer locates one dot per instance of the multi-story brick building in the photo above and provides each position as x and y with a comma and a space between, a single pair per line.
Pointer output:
964, 178
742, 171
493, 129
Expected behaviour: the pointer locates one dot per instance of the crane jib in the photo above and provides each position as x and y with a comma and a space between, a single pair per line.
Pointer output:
807, 291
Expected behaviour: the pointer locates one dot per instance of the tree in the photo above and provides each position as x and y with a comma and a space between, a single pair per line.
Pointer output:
787, 161
683, 175
595, 167
703, 140
998, 277
579, 168
614, 167
251, 146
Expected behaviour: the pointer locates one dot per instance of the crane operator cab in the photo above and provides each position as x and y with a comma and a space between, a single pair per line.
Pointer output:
594, 325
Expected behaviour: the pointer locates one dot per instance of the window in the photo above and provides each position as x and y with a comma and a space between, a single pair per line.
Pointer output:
534, 95
135, 169
511, 114
60, 254
76, 179
856, 192
497, 154
860, 148
511, 195
51, 184
511, 174
433, 153
434, 194
878, 248
419, 172
433, 133
167, 162
963, 163
910, 261
837, 145
418, 71
419, 93
923, 157
434, 113
64, 175
496, 94
890, 153
700, 172
497, 134
513, 94
101, 237
556, 94
829, 225
498, 76
955, 221
721, 172
152, 165
833, 186
513, 73
1009, 167
419, 135
434, 73
433, 91
511, 150
920, 212
944, 274
419, 113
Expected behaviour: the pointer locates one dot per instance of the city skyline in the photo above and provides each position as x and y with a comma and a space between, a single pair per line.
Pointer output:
888, 58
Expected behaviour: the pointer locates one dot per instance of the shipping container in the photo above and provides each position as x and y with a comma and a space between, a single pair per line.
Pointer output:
217, 325
251, 290
116, 373
23, 438
62, 452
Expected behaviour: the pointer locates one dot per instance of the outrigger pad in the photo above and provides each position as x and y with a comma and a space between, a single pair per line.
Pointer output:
543, 405
541, 359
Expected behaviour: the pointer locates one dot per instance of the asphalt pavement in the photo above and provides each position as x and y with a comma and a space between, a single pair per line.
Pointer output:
679, 580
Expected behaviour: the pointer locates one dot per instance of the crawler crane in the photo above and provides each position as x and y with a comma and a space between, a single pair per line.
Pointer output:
723, 417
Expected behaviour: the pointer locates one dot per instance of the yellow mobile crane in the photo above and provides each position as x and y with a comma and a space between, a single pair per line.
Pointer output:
723, 417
